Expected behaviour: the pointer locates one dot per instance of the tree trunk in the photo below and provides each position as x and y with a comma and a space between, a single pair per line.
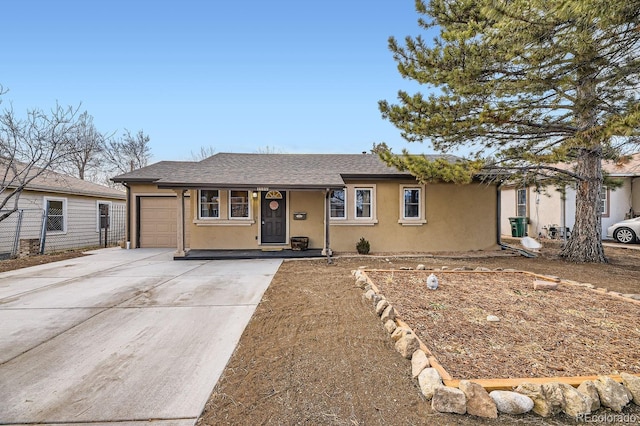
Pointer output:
585, 243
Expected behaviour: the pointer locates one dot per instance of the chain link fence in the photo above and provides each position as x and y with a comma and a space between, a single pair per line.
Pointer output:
33, 231
23, 224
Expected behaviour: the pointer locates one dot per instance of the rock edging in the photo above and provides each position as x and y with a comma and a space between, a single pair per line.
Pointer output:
546, 399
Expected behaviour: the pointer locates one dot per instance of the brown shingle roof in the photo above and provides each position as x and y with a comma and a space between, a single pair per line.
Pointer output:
50, 181
268, 170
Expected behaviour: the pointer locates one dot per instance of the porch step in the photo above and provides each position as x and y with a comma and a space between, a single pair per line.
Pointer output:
271, 248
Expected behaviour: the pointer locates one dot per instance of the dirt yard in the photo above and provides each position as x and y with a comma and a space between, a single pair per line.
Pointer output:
566, 332
316, 353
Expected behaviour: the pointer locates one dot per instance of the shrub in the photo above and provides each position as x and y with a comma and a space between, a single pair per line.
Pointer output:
363, 246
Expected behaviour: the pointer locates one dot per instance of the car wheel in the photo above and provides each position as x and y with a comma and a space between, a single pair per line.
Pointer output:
624, 235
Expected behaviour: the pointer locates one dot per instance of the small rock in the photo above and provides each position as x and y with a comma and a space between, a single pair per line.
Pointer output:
407, 345
601, 289
510, 270
632, 296
612, 394
421, 267
544, 285
376, 298
419, 361
547, 398
632, 383
589, 389
405, 268
444, 268
432, 282
479, 403
390, 326
449, 400
428, 380
399, 333
361, 282
511, 402
575, 402
552, 278
381, 306
499, 269
482, 269
388, 314
369, 294
492, 318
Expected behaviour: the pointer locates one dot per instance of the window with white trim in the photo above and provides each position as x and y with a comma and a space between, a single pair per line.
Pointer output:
56, 209
338, 204
411, 203
238, 204
604, 201
364, 203
209, 203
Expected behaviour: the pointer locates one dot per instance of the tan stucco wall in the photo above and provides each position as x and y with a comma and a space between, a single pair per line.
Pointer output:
458, 218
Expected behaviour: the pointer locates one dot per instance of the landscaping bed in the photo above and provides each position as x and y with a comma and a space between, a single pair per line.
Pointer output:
570, 331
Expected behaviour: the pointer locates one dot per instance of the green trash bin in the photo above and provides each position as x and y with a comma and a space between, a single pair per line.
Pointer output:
518, 226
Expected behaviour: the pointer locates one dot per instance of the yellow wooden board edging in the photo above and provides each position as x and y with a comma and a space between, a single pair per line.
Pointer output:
509, 384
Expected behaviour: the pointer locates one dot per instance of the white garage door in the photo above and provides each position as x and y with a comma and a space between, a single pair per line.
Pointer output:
158, 222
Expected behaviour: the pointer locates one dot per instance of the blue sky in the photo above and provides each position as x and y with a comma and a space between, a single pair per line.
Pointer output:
238, 76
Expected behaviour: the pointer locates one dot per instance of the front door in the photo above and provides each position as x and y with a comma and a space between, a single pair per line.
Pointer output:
274, 217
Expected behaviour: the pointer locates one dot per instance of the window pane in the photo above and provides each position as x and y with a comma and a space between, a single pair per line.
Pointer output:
239, 202
603, 201
209, 203
337, 203
412, 203
55, 216
521, 209
363, 203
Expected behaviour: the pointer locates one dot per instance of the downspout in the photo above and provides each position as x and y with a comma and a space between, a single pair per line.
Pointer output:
128, 213
498, 213
327, 219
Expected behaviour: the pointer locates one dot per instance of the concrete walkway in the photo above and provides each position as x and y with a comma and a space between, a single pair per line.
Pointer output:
121, 336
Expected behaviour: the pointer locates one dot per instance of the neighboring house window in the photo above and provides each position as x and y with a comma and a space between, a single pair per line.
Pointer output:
521, 203
411, 202
104, 219
364, 203
239, 204
56, 214
338, 210
209, 204
604, 201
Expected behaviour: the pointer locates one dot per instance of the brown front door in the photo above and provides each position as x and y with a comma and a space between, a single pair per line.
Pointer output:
274, 217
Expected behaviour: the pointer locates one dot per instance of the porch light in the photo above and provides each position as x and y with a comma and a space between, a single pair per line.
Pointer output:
254, 194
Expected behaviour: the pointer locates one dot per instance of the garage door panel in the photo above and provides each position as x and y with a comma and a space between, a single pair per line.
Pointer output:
158, 226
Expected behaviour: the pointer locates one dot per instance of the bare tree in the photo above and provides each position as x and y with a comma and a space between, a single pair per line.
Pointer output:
29, 147
86, 145
127, 153
269, 150
205, 152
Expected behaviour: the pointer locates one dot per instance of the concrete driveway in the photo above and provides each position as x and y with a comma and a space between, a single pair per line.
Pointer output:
121, 336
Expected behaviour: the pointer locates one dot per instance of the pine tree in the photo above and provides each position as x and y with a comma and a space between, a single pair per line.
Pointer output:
539, 86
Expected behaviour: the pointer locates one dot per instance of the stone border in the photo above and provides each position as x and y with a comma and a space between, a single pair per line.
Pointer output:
577, 397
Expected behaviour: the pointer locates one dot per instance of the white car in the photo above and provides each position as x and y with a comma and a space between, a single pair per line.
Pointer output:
626, 231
